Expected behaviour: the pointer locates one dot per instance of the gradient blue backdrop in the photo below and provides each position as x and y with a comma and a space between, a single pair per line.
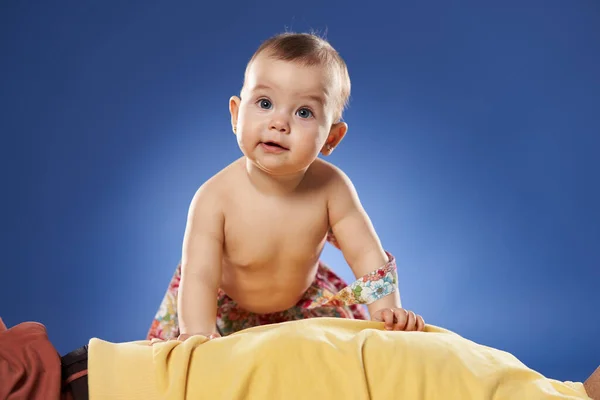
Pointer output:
473, 143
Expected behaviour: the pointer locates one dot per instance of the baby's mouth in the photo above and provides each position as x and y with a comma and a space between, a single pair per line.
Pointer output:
274, 145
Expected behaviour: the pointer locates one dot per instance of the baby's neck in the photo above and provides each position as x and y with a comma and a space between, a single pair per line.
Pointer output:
270, 184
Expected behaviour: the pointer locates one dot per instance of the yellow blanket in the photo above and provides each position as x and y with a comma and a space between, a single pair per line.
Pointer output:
324, 358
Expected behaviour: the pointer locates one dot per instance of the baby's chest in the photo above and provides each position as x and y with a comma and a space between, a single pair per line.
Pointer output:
258, 233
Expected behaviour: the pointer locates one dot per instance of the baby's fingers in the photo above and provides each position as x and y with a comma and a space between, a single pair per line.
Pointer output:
420, 323
388, 319
401, 319
183, 337
411, 324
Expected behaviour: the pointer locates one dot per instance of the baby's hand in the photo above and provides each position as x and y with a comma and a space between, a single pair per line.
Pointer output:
210, 336
185, 336
399, 319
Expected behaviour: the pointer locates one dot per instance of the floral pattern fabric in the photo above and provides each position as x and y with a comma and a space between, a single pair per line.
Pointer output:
328, 296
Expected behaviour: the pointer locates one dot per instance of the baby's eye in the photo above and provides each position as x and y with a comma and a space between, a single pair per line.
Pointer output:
264, 103
304, 113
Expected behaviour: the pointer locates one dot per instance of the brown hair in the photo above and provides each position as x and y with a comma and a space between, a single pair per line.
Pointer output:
309, 49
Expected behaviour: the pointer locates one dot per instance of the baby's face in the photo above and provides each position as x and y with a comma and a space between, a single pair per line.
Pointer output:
285, 114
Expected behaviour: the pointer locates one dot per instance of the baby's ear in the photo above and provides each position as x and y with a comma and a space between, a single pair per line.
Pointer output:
234, 107
336, 134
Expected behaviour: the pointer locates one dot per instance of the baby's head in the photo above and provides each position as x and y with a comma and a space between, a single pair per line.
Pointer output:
309, 50
296, 87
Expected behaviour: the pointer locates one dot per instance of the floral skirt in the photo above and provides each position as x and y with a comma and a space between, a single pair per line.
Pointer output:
328, 296
232, 318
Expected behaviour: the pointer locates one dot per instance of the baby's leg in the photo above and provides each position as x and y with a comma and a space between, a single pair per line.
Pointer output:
592, 384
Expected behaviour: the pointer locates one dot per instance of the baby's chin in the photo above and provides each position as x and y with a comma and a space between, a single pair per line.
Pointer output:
277, 167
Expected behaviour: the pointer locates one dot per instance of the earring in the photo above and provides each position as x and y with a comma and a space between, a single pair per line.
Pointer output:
234, 129
328, 147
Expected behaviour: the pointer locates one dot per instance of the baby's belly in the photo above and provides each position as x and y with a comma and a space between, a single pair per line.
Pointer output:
262, 291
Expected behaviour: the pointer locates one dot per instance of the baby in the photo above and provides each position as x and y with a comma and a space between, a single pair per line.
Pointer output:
255, 230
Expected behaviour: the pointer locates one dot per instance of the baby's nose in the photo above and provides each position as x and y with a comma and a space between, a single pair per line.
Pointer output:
280, 125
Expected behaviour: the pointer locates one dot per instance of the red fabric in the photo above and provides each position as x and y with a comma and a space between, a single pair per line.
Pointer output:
29, 364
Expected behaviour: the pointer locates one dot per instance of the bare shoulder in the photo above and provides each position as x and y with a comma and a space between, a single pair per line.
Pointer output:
212, 194
333, 179
342, 197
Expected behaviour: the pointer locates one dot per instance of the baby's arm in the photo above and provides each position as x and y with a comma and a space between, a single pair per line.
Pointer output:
201, 264
356, 236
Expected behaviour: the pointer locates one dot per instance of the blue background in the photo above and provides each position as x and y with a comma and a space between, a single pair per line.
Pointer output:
473, 143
